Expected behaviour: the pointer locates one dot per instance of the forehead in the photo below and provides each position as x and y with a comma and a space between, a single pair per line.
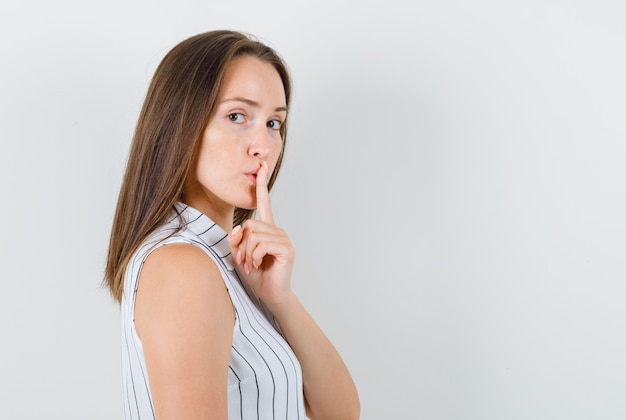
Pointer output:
253, 79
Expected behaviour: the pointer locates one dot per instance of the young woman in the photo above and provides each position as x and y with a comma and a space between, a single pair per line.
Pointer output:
211, 327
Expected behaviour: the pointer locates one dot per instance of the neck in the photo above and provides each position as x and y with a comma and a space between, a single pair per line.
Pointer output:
223, 215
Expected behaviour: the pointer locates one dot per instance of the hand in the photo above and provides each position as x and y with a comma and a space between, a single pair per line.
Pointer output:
263, 252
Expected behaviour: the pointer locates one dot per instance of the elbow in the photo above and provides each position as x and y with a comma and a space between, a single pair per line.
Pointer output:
352, 408
348, 409
355, 409
353, 413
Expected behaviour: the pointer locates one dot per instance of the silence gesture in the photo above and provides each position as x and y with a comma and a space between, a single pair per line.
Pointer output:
263, 252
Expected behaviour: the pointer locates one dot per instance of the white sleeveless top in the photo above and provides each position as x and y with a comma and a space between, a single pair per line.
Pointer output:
264, 376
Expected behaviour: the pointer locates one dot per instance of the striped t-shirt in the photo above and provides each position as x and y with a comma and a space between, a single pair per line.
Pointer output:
264, 376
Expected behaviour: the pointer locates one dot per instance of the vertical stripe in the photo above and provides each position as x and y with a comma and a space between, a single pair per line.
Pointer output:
265, 379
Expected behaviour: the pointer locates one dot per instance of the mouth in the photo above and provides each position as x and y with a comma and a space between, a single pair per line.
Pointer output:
252, 175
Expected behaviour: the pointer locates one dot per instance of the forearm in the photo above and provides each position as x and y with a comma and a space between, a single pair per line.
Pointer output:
328, 387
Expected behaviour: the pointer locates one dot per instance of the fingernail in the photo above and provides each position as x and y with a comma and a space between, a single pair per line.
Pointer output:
236, 230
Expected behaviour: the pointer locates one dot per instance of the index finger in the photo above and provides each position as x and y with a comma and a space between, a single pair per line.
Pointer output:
263, 205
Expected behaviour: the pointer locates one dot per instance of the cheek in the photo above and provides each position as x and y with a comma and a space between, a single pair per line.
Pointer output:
274, 162
215, 157
277, 150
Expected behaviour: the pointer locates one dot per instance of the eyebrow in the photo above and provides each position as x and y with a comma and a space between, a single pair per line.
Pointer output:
252, 103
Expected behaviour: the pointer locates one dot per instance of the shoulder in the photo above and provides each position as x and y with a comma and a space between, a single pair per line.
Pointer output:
178, 260
184, 318
180, 283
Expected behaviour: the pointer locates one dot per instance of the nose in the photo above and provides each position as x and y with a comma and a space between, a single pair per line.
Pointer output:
260, 144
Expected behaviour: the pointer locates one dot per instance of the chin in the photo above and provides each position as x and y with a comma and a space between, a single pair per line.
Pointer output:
246, 207
246, 204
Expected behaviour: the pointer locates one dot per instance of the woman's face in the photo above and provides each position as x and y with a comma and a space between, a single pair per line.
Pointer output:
243, 133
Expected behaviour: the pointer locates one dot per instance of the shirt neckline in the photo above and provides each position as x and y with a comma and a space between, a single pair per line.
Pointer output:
207, 230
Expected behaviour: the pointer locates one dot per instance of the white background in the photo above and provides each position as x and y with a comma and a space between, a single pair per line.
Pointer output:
455, 185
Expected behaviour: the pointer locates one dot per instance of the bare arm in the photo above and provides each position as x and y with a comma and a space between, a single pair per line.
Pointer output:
328, 387
185, 319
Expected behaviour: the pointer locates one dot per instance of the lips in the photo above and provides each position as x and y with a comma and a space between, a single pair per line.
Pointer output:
251, 175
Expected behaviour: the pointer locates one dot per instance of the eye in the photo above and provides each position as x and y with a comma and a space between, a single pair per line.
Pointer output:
275, 124
236, 117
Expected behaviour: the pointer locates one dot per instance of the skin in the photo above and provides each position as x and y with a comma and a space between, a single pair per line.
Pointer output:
243, 133
182, 305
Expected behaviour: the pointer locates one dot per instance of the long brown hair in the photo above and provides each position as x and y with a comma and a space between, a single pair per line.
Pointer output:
179, 103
